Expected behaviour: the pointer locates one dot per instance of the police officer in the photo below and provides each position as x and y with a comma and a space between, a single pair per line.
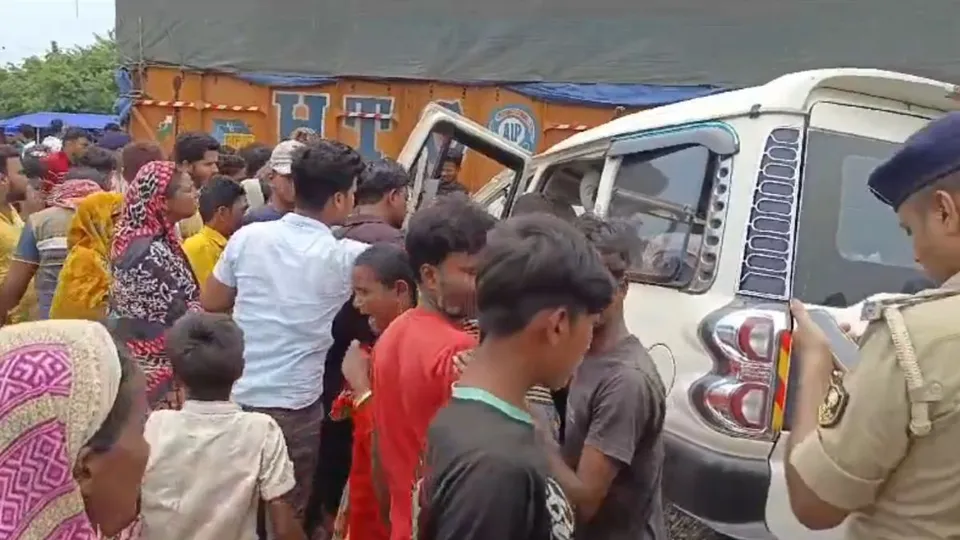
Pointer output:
881, 443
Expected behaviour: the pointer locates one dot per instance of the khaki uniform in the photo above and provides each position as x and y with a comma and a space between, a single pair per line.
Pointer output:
888, 444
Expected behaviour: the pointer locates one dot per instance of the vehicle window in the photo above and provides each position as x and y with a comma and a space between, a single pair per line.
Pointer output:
849, 245
573, 184
857, 207
662, 196
493, 195
457, 166
455, 160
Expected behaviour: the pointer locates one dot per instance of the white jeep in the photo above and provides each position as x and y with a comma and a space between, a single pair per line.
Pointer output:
739, 201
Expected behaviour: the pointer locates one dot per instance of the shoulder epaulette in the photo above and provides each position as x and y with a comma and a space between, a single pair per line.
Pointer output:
873, 310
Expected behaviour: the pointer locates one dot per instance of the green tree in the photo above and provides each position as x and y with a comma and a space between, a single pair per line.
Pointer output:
62, 80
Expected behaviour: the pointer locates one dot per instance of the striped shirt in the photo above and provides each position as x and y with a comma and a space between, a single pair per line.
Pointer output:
43, 243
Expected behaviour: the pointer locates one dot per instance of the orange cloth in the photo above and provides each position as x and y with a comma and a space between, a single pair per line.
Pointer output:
361, 515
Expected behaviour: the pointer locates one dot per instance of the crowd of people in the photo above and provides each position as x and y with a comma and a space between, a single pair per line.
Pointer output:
223, 344
232, 344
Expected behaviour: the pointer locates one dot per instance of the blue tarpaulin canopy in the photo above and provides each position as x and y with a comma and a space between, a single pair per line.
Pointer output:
43, 119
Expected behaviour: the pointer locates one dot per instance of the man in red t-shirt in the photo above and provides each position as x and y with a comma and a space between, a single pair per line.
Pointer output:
75, 143
413, 359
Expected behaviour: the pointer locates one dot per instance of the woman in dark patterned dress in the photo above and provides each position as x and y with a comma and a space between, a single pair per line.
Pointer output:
153, 284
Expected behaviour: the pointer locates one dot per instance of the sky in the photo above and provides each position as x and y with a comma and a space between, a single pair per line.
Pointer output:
28, 26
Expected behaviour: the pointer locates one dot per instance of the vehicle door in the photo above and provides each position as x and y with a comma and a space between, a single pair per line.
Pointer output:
848, 246
442, 132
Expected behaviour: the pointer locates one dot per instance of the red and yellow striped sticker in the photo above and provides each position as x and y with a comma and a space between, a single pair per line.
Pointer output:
783, 378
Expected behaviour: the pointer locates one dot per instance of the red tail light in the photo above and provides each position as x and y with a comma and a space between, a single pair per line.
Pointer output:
736, 396
755, 338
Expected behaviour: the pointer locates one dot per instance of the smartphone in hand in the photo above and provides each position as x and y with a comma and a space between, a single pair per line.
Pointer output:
846, 352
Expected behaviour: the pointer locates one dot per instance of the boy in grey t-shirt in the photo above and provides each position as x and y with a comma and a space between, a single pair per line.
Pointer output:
614, 419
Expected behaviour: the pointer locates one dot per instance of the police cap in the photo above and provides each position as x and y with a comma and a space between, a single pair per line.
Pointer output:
927, 156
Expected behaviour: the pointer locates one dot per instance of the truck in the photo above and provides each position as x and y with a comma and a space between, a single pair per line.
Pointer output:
534, 72
374, 116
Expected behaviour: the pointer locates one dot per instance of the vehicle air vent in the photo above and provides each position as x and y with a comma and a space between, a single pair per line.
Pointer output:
768, 250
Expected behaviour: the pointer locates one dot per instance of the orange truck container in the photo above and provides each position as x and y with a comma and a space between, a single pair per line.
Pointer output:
373, 116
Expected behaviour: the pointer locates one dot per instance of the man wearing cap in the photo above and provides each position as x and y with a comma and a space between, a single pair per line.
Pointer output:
877, 445
280, 199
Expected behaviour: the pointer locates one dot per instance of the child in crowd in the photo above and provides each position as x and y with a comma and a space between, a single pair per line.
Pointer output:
540, 289
212, 463
223, 202
384, 287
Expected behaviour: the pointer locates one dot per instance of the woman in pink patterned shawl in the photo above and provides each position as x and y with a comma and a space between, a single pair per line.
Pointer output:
153, 284
72, 452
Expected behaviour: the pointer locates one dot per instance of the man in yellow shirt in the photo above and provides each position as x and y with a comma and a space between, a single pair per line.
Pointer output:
13, 187
222, 205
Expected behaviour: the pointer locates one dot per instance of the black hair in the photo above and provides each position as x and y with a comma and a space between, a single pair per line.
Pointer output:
74, 133
949, 183
231, 164
206, 351
6, 152
98, 158
531, 203
112, 126
537, 262
453, 224
88, 173
109, 432
28, 131
379, 178
390, 264
255, 155
192, 146
323, 169
33, 165
137, 154
611, 239
219, 191
453, 157
56, 125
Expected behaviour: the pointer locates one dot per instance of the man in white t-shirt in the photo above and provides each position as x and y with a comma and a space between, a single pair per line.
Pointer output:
285, 280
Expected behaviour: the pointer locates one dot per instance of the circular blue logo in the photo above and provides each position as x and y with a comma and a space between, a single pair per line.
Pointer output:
516, 124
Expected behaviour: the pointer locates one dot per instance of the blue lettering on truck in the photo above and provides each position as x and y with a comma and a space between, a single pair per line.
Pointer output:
300, 109
368, 116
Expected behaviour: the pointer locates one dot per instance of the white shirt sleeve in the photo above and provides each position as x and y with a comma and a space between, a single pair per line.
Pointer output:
350, 250
225, 270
